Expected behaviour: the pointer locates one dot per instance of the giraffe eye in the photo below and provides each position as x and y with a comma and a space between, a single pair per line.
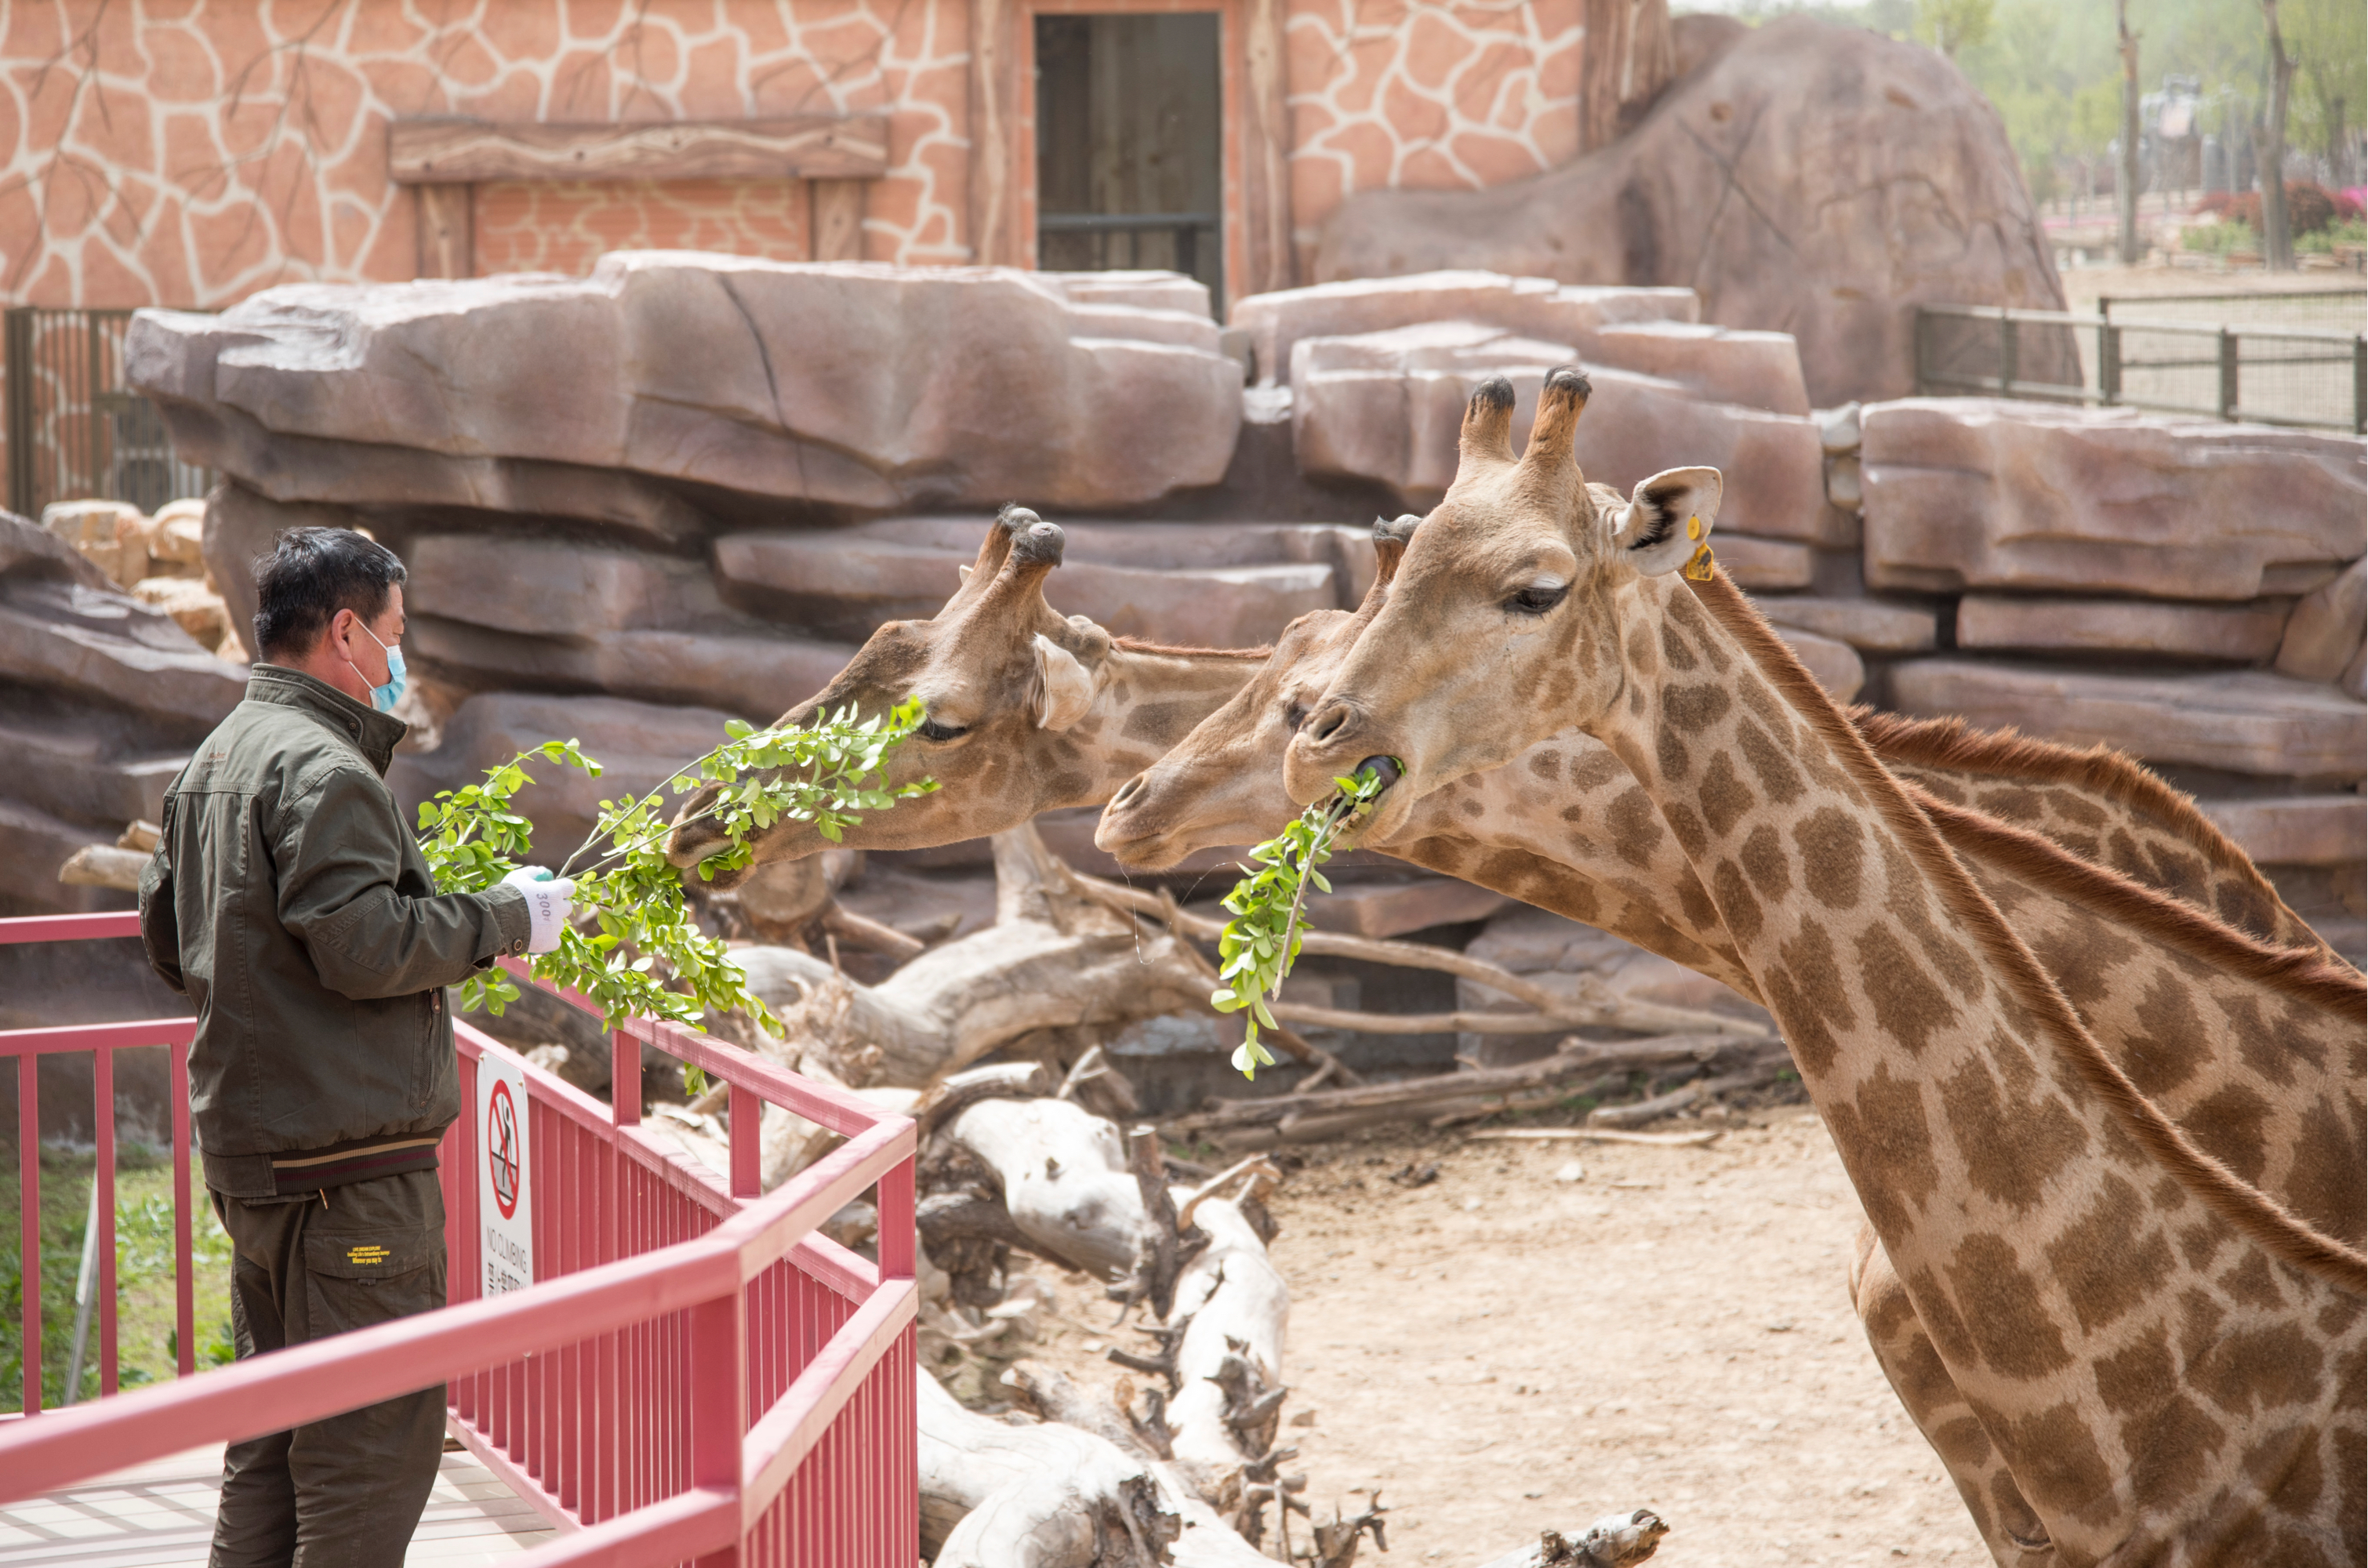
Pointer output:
1538, 598
1294, 715
930, 730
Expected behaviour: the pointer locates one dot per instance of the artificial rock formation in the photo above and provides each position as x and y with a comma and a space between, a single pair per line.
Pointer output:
1970, 492
1806, 177
846, 384
101, 698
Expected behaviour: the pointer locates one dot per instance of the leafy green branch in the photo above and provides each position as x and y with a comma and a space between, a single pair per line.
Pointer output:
1259, 945
642, 954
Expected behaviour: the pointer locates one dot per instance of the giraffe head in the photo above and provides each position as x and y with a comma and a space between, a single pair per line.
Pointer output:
1222, 783
1005, 685
1503, 623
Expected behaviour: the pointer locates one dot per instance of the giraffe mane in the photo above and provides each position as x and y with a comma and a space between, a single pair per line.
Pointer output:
1952, 743
2305, 973
1140, 645
2253, 1212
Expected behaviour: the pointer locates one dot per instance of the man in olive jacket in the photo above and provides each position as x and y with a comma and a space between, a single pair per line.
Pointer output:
289, 903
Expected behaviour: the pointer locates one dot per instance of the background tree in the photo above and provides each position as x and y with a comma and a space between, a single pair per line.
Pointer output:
2277, 236
2331, 45
1951, 25
2129, 160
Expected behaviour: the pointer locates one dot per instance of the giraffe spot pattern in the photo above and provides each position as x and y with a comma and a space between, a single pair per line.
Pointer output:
1889, 1143
1907, 1001
1686, 824
1725, 797
1811, 996
2327, 1188
1764, 860
2111, 1258
1832, 856
1739, 908
1772, 767
2173, 1046
1670, 753
2056, 1460
2013, 1135
1635, 827
2249, 1370
2005, 1308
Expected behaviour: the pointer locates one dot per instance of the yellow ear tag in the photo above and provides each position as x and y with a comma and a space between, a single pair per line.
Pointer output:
1699, 567
1694, 526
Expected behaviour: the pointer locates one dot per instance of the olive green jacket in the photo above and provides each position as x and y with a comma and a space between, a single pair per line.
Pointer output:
289, 903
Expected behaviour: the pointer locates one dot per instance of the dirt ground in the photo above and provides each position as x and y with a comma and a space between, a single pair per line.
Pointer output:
1505, 1350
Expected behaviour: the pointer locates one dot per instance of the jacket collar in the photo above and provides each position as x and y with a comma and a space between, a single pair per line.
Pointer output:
375, 733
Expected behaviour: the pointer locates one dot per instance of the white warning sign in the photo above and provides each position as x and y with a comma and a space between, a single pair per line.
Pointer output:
504, 1194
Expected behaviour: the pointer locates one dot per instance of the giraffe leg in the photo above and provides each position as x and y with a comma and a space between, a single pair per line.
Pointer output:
2008, 1526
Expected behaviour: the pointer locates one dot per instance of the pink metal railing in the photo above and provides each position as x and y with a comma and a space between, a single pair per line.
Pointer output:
695, 1372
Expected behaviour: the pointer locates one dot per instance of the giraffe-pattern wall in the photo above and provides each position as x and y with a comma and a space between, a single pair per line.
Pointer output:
1430, 94
191, 152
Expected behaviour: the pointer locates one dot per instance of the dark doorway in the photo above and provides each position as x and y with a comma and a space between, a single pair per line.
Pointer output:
1129, 132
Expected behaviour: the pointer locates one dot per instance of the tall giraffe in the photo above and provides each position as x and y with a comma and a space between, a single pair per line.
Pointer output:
1026, 710
1537, 827
2168, 1364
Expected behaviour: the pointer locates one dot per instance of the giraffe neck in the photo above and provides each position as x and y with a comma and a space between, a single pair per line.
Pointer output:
1566, 828
2040, 1223
1147, 699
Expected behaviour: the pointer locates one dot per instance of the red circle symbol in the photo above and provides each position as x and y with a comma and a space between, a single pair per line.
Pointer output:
501, 1149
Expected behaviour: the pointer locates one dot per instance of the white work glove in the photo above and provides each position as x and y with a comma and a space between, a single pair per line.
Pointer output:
547, 905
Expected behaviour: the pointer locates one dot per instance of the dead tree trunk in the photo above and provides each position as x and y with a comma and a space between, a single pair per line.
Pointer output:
1052, 959
1065, 1178
1616, 1541
2277, 230
2126, 165
994, 1495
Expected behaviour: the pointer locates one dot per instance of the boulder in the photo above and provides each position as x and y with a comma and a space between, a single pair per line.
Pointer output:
849, 384
33, 846
2295, 830
111, 535
2238, 722
2244, 634
753, 675
1387, 407
195, 608
1234, 586
1759, 565
180, 533
88, 644
1813, 178
1868, 624
2324, 634
1975, 493
639, 746
1652, 332
1835, 663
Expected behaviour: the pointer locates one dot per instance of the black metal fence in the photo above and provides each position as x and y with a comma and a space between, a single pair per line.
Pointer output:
73, 430
2267, 374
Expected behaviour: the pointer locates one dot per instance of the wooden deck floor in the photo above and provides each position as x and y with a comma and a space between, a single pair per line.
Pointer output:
161, 1514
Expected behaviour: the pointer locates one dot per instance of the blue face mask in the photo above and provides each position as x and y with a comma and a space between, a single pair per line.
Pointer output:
383, 698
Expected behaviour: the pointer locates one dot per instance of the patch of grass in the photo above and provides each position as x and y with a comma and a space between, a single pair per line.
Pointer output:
143, 1272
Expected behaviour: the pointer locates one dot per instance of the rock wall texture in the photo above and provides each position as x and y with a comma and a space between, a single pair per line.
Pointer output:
1807, 178
687, 488
101, 698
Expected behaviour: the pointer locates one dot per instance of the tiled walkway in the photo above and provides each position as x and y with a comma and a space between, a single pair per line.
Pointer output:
163, 1512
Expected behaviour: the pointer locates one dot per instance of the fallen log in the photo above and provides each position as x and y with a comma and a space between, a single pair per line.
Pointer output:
99, 866
1616, 1541
995, 1495
1300, 1117
1600, 1135
1052, 959
1065, 1178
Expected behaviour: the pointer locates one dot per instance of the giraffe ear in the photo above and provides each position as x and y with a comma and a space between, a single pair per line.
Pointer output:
1667, 519
1065, 689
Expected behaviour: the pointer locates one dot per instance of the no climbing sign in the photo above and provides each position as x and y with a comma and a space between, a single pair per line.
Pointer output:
505, 1198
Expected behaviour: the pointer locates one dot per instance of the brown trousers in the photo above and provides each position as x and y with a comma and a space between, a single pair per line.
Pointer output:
347, 1491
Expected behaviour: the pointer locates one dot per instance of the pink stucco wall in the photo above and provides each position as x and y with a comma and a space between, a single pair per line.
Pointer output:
190, 152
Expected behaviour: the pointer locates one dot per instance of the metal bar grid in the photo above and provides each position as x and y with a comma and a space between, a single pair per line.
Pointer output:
1984, 351
694, 1373
74, 429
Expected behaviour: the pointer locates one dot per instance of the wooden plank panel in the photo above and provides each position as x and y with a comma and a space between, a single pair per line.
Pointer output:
810, 146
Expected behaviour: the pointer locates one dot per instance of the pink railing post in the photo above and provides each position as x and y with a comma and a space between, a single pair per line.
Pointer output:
747, 1142
29, 1192
719, 1403
184, 1283
102, 1096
